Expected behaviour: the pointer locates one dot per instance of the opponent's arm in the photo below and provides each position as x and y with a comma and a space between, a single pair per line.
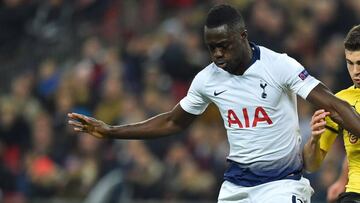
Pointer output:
161, 125
312, 153
339, 186
340, 111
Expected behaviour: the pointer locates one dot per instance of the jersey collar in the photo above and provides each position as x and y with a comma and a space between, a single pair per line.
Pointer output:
255, 53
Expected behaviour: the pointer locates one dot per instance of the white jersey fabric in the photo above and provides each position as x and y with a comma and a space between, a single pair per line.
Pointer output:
282, 191
259, 111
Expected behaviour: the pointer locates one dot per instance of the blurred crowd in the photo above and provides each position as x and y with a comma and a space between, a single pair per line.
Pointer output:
123, 61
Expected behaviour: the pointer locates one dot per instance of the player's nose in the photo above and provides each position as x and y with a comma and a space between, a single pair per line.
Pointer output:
218, 53
357, 69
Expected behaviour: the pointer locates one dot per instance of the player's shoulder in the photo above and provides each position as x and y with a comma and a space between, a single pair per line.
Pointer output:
203, 77
208, 71
279, 64
350, 91
272, 57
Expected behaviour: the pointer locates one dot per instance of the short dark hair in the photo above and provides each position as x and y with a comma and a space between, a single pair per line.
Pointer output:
352, 40
224, 14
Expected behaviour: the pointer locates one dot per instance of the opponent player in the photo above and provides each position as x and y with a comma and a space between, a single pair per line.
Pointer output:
324, 131
255, 90
339, 185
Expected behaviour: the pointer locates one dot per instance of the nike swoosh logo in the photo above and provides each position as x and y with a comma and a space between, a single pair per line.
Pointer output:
217, 93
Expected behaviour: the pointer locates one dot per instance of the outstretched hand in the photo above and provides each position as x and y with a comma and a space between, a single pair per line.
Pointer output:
335, 190
318, 122
85, 124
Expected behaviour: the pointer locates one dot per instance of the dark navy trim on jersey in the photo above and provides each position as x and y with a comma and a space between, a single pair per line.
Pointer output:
243, 176
256, 53
331, 129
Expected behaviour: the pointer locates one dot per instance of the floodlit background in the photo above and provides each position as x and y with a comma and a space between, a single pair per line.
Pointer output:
122, 61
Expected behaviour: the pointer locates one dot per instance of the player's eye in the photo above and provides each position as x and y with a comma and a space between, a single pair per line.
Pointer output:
223, 46
211, 47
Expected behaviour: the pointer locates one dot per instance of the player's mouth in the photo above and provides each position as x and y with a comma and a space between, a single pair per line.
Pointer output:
221, 64
357, 80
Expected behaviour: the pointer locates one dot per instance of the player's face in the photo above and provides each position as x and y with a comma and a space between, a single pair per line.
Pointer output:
353, 65
226, 47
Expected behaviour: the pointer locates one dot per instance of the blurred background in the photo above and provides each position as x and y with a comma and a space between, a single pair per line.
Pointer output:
123, 61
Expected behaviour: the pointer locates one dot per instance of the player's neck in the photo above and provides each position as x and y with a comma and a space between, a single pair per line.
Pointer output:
246, 62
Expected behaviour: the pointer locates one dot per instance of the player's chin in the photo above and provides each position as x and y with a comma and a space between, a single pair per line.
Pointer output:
357, 83
226, 68
230, 69
221, 65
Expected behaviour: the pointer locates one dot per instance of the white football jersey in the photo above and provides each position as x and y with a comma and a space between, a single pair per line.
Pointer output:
259, 110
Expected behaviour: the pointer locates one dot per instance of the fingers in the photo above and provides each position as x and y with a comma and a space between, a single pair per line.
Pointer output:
318, 112
321, 112
318, 132
85, 124
78, 126
79, 122
318, 125
76, 123
318, 122
82, 118
319, 116
79, 129
76, 116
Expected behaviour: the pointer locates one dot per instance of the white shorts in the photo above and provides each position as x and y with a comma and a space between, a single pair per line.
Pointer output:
281, 191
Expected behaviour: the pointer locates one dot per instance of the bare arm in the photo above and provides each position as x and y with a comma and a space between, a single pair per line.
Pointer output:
312, 153
340, 111
158, 126
339, 186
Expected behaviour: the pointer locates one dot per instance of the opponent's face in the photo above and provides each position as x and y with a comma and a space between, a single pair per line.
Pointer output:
353, 65
226, 47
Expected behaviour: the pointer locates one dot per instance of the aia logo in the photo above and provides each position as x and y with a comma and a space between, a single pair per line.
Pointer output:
352, 138
260, 115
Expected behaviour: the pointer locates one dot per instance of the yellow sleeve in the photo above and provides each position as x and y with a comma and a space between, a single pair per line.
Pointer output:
329, 136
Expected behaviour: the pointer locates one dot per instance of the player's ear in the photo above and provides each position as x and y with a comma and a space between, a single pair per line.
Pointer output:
244, 34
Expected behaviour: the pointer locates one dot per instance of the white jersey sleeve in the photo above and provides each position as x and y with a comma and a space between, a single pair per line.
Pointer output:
292, 75
195, 102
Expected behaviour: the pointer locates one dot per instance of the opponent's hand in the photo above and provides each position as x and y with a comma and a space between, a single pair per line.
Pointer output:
85, 124
335, 190
318, 123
